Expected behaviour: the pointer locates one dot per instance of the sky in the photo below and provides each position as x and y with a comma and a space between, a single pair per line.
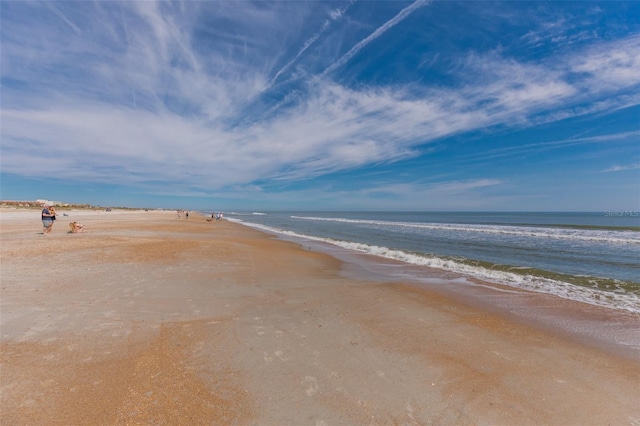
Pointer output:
322, 105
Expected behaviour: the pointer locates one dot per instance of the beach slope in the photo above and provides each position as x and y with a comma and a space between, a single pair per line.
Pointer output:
151, 319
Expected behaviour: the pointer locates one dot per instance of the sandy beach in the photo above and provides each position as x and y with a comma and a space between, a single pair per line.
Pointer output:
151, 319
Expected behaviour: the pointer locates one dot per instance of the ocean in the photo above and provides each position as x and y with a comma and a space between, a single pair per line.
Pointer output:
588, 257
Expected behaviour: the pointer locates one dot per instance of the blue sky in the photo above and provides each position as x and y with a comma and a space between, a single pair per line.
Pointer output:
294, 105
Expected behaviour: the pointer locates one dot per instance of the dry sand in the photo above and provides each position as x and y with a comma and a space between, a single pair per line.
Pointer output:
148, 319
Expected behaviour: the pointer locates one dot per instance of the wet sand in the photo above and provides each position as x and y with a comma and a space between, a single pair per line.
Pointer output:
151, 319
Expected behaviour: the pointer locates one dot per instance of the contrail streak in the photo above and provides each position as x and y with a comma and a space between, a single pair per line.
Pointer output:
377, 33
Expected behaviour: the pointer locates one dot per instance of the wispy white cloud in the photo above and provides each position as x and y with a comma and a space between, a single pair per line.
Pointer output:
446, 195
156, 101
439, 190
610, 68
463, 186
559, 27
618, 168
335, 15
520, 151
56, 11
404, 13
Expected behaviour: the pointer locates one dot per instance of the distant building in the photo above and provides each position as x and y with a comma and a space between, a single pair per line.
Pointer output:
49, 202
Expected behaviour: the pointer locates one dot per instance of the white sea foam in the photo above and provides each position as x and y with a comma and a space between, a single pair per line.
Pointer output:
628, 302
246, 214
592, 235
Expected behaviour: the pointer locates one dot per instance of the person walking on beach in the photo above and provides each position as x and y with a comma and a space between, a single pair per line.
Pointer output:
47, 222
53, 217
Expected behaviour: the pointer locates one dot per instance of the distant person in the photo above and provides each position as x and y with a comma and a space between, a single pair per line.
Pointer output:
47, 222
53, 217
76, 227
186, 214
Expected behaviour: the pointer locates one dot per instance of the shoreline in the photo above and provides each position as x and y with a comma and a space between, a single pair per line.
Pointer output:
149, 319
595, 267
615, 331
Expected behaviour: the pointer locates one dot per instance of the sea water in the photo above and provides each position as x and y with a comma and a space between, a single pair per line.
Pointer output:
587, 257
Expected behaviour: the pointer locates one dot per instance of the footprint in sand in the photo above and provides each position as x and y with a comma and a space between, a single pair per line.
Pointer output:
312, 385
280, 355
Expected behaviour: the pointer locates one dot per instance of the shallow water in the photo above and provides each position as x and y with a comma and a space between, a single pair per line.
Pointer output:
587, 257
